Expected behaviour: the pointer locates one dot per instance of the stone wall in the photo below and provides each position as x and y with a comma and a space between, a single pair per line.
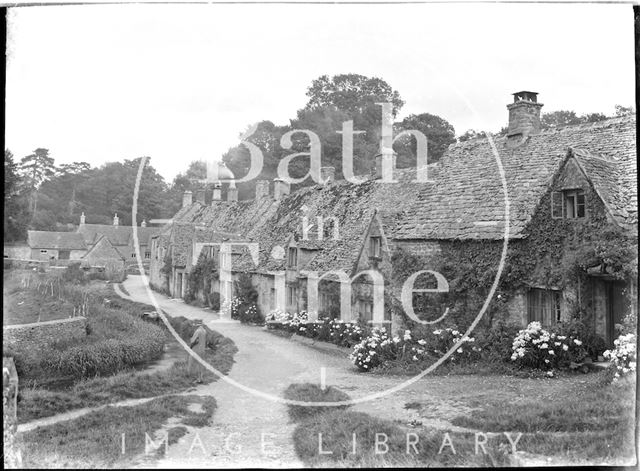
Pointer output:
37, 335
11, 452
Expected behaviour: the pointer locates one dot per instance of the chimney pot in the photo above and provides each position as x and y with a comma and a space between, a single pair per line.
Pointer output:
144, 223
217, 192
187, 199
262, 189
524, 115
281, 188
116, 220
232, 192
327, 175
82, 218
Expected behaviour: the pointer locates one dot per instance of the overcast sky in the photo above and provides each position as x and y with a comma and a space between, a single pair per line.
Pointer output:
180, 82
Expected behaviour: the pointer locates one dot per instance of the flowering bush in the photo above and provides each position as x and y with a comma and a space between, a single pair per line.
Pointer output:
536, 347
378, 347
374, 349
343, 334
623, 356
445, 339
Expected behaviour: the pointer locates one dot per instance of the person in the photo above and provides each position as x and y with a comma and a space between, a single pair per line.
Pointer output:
198, 344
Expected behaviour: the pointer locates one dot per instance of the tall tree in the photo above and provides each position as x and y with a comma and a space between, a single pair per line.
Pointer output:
37, 168
16, 215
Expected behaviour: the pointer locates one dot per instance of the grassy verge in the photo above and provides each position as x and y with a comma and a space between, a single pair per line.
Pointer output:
325, 437
37, 403
123, 289
95, 440
596, 423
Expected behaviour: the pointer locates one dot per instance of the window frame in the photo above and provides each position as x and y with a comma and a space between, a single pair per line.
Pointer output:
292, 257
568, 200
544, 306
375, 247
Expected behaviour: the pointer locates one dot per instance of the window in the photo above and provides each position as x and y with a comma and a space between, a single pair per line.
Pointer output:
365, 310
292, 295
292, 259
133, 255
273, 298
43, 250
375, 247
543, 305
568, 204
147, 254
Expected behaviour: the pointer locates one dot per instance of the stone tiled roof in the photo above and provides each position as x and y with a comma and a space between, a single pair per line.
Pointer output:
466, 200
271, 223
117, 235
55, 240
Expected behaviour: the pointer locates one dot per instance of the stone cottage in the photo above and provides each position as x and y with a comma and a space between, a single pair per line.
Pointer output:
55, 246
571, 229
121, 238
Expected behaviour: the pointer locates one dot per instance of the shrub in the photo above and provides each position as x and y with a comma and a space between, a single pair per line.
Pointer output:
535, 347
623, 356
593, 344
74, 274
244, 305
496, 343
375, 349
308, 392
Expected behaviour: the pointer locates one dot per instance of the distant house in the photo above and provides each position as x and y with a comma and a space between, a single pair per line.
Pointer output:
121, 238
104, 256
61, 246
571, 191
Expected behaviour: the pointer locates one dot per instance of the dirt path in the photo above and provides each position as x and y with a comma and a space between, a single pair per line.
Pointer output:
268, 364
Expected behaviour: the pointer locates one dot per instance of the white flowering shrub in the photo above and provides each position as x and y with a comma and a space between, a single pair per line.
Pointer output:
344, 334
536, 347
445, 339
623, 355
408, 348
374, 349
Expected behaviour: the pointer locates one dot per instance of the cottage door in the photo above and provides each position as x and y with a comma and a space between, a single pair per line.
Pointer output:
614, 291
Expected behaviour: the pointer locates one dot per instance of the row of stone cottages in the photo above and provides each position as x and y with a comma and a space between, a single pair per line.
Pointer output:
572, 245
101, 246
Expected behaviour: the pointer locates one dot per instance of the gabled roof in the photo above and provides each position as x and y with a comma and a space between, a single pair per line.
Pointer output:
103, 249
466, 200
117, 235
55, 240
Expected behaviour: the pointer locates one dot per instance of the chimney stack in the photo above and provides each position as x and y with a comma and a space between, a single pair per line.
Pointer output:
281, 188
262, 189
116, 220
82, 218
217, 192
327, 175
388, 158
524, 115
232, 192
200, 195
187, 199
144, 223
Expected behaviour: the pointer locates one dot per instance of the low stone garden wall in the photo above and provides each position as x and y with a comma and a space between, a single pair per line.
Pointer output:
40, 334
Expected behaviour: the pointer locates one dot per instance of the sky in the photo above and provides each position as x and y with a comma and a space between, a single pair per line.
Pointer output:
101, 83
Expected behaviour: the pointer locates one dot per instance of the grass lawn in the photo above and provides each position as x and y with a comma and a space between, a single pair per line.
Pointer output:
571, 419
595, 423
95, 440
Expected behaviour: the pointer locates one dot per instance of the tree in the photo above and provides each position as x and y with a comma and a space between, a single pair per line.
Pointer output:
471, 134
37, 168
560, 118
16, 214
439, 132
351, 93
623, 110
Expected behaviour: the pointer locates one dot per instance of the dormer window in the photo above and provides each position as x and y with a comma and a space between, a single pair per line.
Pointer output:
375, 247
292, 258
568, 204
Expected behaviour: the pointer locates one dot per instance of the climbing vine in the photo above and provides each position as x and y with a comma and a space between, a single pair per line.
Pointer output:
201, 276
